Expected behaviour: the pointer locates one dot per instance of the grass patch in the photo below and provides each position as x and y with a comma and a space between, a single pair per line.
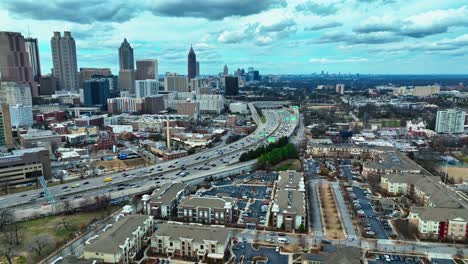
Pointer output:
291, 164
263, 119
51, 227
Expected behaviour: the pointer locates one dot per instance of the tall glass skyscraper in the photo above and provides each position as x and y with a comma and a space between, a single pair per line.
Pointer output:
64, 61
32, 47
126, 56
192, 64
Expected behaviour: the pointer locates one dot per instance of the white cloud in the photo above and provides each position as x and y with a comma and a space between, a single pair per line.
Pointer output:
330, 61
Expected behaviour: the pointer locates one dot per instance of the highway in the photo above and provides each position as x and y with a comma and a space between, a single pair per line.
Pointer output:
279, 122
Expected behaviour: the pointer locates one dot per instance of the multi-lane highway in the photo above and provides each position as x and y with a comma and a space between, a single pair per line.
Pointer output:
279, 122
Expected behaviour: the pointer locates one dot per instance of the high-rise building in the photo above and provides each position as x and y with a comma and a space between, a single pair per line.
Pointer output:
174, 82
21, 115
33, 50
225, 70
125, 105
147, 70
64, 61
114, 89
198, 68
153, 105
6, 137
14, 93
146, 88
87, 74
450, 122
48, 85
231, 85
126, 56
192, 64
127, 81
14, 61
96, 92
340, 88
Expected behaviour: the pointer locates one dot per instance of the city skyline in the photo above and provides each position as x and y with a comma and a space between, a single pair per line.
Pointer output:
278, 37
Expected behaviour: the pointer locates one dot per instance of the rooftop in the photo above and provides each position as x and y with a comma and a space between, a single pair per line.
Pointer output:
167, 192
109, 241
206, 202
290, 180
290, 201
440, 214
196, 232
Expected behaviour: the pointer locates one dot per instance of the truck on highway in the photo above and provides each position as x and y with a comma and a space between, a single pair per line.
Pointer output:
108, 179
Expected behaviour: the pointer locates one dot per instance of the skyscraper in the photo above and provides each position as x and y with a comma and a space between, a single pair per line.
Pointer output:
48, 85
64, 61
231, 85
14, 62
147, 70
126, 56
127, 81
192, 64
87, 73
96, 92
198, 69
33, 50
225, 70
146, 88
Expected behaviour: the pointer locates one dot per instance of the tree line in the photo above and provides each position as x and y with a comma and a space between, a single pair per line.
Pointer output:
253, 154
277, 155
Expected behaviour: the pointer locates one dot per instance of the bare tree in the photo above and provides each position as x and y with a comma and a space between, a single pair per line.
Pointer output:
6, 218
40, 244
65, 223
8, 246
66, 206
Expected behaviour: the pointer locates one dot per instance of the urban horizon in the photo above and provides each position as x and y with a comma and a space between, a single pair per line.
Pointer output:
275, 37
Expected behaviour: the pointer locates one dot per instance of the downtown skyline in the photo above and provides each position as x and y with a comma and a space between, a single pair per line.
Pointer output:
278, 37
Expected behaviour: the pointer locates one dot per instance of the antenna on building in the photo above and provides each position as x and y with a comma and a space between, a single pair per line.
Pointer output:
29, 33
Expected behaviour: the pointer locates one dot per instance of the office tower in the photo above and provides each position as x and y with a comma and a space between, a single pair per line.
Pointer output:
192, 64
340, 88
126, 56
231, 85
127, 81
6, 137
87, 73
146, 88
14, 93
33, 49
198, 68
48, 85
14, 61
175, 83
147, 70
225, 70
253, 75
64, 61
450, 122
114, 89
153, 105
21, 115
96, 92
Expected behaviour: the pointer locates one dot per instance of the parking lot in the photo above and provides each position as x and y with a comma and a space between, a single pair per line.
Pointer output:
240, 191
247, 253
255, 211
371, 222
395, 259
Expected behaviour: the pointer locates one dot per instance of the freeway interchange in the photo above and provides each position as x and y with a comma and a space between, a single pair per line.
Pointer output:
278, 122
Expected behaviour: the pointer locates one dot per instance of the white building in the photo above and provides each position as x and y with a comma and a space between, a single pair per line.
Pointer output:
117, 129
239, 107
340, 88
146, 88
450, 122
209, 103
21, 115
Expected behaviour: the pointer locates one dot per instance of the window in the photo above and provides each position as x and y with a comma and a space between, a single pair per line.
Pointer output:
171, 244
201, 246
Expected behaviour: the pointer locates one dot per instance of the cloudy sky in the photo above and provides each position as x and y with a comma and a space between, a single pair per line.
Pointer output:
275, 36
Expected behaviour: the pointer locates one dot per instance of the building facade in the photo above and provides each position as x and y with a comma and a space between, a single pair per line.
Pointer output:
96, 92
24, 166
48, 85
146, 88
87, 74
147, 70
32, 48
207, 210
126, 56
191, 64
231, 85
64, 61
6, 137
176, 83
15, 93
127, 81
450, 122
21, 115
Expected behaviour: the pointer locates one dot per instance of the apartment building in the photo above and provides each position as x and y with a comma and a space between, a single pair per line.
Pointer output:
440, 223
207, 210
288, 209
122, 241
163, 201
209, 244
291, 180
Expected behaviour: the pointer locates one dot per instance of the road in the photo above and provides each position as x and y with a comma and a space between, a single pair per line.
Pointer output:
218, 157
345, 217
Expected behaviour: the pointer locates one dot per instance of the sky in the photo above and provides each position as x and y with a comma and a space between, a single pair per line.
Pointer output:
275, 36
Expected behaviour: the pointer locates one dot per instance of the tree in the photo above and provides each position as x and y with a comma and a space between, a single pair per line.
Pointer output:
64, 222
6, 218
40, 244
8, 246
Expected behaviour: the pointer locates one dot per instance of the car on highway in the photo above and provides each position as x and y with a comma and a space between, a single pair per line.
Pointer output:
75, 185
108, 179
86, 182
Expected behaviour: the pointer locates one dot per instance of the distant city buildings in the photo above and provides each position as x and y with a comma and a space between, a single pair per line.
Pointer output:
147, 70
418, 91
64, 61
87, 74
450, 122
225, 70
15, 66
126, 56
340, 88
191, 64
